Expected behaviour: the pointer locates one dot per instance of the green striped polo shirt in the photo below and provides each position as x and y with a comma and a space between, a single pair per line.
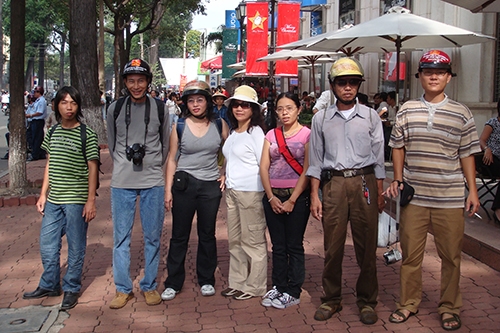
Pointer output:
434, 143
68, 173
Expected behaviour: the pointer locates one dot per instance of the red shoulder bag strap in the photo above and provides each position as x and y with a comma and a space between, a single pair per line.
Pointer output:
285, 151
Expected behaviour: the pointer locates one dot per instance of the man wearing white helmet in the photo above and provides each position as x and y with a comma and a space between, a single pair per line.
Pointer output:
433, 142
347, 156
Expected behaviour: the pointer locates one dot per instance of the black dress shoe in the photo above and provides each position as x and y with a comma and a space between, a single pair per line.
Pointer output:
40, 292
70, 300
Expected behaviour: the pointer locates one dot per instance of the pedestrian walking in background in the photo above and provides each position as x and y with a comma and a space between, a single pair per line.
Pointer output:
246, 224
347, 156
36, 119
138, 136
433, 142
67, 198
283, 169
194, 185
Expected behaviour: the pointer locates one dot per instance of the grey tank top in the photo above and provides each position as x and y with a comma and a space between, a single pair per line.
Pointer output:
198, 156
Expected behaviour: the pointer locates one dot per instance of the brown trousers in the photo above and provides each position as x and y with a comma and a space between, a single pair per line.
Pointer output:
448, 227
343, 202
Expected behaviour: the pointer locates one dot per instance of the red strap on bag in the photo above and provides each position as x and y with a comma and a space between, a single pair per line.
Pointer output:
285, 151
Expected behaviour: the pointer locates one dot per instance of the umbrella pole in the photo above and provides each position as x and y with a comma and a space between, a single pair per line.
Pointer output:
398, 50
313, 78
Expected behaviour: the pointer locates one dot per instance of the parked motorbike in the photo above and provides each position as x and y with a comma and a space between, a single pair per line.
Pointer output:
5, 109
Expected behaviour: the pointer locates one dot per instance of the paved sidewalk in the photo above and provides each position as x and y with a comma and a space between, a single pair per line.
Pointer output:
20, 270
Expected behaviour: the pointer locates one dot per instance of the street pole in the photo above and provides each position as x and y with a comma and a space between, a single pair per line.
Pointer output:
271, 113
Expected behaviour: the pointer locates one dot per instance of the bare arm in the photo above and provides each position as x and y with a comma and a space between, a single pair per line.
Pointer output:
171, 167
469, 170
40, 204
265, 163
89, 210
398, 157
488, 155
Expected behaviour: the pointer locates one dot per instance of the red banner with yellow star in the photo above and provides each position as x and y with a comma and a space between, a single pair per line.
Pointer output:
287, 32
257, 29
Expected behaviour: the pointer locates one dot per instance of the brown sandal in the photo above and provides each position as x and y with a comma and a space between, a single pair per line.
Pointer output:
454, 319
393, 319
326, 311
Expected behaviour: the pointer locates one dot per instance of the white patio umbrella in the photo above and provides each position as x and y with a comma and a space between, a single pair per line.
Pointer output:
238, 65
306, 56
478, 6
396, 31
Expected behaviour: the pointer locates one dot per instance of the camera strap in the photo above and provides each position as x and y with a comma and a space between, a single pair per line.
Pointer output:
146, 119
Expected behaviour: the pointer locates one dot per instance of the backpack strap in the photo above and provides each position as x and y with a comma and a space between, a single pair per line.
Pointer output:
52, 130
83, 137
116, 113
161, 116
285, 151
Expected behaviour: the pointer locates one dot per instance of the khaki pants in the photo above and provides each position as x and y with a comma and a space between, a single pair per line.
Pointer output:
246, 230
448, 228
343, 202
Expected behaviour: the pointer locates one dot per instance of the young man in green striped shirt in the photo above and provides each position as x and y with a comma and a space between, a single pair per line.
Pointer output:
67, 198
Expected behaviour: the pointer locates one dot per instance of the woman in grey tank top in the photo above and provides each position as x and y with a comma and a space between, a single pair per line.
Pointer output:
193, 184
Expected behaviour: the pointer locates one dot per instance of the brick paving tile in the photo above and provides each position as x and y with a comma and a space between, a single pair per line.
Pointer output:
20, 270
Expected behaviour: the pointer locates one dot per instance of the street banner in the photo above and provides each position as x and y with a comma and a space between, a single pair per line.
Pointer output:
232, 22
316, 23
229, 51
288, 31
390, 67
257, 30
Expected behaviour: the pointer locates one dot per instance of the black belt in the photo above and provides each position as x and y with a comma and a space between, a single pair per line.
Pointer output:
282, 192
327, 174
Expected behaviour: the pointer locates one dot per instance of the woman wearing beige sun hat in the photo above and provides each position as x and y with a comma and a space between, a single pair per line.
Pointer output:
246, 223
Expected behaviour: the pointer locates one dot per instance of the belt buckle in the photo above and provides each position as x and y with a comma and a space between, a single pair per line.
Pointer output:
349, 173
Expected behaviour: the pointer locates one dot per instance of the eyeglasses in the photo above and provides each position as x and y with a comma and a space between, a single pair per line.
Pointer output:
38, 91
196, 100
429, 73
345, 82
244, 105
288, 108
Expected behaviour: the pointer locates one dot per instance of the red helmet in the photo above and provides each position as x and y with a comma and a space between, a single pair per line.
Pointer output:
435, 59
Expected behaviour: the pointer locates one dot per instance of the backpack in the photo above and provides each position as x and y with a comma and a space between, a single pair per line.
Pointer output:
83, 139
160, 106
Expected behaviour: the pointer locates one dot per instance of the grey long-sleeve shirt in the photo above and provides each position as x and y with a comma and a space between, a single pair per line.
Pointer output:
339, 143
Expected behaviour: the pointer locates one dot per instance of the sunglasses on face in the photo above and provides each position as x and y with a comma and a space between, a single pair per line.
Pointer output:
244, 105
345, 82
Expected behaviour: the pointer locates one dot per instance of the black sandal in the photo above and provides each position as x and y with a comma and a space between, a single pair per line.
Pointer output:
454, 319
393, 319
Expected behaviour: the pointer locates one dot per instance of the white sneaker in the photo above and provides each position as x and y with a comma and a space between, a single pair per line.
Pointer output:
168, 294
207, 290
268, 298
285, 301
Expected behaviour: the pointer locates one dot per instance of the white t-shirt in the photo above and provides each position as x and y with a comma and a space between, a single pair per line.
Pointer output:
324, 101
243, 152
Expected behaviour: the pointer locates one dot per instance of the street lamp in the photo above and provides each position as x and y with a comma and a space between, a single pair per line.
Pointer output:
147, 48
241, 13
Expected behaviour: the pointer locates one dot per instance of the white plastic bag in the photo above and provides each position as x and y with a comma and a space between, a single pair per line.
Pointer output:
387, 230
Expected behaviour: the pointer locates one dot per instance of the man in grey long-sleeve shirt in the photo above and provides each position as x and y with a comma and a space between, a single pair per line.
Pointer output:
347, 155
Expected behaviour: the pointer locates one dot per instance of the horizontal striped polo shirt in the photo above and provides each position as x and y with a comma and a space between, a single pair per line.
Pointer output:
435, 137
68, 172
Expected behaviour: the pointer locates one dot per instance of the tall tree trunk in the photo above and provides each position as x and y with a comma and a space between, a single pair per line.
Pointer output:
18, 181
83, 57
61, 60
102, 82
41, 64
118, 63
28, 78
1, 46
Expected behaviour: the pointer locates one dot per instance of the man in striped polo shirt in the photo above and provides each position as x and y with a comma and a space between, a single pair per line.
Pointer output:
433, 142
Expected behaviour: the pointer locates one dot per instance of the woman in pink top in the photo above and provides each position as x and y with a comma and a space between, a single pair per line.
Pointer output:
286, 204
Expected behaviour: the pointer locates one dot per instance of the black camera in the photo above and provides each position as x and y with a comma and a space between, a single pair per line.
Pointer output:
136, 153
392, 256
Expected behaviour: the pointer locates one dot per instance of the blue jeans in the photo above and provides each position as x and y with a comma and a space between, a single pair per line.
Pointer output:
202, 197
58, 220
287, 236
152, 211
